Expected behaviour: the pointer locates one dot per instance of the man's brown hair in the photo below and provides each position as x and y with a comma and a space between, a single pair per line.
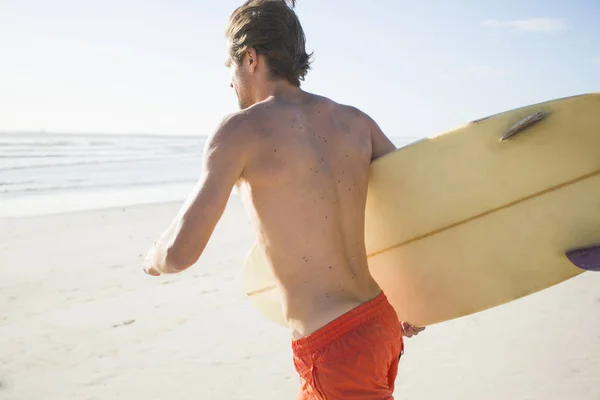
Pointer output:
273, 29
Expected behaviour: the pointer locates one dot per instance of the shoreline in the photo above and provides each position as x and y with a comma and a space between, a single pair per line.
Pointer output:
57, 203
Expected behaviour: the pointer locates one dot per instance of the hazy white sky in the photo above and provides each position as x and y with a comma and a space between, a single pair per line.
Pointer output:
157, 66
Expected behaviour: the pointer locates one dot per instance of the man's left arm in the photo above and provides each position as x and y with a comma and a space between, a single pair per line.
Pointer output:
182, 243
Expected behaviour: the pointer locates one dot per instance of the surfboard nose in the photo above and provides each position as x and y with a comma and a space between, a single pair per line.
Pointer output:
587, 258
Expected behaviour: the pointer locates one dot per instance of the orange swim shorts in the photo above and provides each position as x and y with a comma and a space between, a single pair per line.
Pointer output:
355, 356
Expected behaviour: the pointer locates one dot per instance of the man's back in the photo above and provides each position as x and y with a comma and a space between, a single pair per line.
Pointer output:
305, 186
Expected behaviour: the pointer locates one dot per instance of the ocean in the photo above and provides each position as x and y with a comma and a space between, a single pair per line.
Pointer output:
48, 173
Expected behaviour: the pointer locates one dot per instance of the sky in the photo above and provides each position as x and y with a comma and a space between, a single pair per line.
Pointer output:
418, 68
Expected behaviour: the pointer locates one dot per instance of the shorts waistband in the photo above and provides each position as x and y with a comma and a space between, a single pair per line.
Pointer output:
342, 325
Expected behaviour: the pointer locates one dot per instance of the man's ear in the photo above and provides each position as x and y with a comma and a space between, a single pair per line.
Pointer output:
252, 57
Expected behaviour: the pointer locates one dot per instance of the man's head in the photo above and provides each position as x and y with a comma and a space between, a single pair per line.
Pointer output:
265, 40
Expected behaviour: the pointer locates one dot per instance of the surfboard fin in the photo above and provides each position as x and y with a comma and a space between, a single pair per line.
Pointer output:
587, 259
524, 124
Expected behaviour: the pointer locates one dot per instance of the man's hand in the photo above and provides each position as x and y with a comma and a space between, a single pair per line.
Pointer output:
150, 270
149, 262
409, 330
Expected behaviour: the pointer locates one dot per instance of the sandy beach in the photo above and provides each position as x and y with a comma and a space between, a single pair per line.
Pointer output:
79, 320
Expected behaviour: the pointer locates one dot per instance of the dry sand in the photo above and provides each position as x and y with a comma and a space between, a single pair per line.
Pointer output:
79, 320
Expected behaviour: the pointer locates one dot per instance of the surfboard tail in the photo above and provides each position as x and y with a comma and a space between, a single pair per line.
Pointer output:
587, 258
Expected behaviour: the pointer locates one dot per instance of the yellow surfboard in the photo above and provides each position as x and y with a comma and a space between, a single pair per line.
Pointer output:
479, 216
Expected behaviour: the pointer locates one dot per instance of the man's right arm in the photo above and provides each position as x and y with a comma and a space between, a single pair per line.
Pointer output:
380, 143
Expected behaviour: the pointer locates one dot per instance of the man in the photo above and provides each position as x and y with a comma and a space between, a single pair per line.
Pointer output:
301, 163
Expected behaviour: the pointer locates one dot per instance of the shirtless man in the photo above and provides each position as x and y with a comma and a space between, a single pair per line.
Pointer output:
301, 163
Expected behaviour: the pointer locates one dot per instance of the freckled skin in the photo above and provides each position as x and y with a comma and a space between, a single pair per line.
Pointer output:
307, 202
301, 164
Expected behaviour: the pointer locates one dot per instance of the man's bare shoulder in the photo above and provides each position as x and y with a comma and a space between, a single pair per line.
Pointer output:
381, 144
233, 129
341, 110
232, 141
357, 114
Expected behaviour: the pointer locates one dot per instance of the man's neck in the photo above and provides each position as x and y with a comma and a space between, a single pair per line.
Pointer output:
279, 89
